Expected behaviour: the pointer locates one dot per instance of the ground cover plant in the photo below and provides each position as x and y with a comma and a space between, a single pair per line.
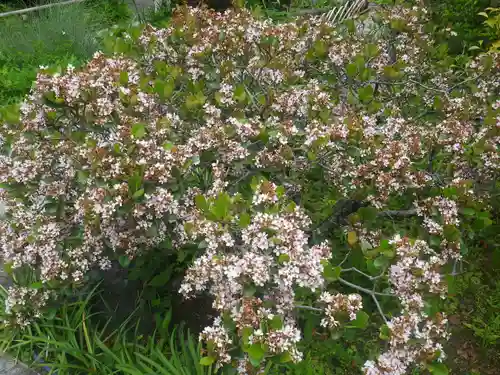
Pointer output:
54, 36
313, 180
70, 343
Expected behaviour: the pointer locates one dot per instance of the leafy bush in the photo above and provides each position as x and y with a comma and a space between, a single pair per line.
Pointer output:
492, 21
486, 320
475, 295
299, 164
462, 16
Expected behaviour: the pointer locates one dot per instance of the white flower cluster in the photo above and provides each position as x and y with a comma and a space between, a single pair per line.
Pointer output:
271, 254
339, 303
24, 304
413, 336
446, 208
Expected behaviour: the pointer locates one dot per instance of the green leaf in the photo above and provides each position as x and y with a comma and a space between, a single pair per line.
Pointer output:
139, 193
239, 93
352, 238
366, 93
451, 282
246, 333
351, 25
391, 72
164, 88
331, 273
36, 285
134, 183
162, 279
195, 100
201, 203
351, 70
481, 223
368, 213
82, 177
385, 332
139, 130
166, 321
221, 206
207, 361
280, 191
8, 268
50, 313
168, 146
285, 357
371, 50
320, 48
438, 369
291, 207
451, 233
249, 290
124, 261
384, 244
283, 258
468, 211
435, 241
244, 220
361, 320
276, 323
432, 306
381, 262
256, 352
123, 78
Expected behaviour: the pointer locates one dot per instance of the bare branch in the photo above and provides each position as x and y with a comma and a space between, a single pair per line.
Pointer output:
362, 273
310, 308
379, 308
364, 290
371, 293
402, 213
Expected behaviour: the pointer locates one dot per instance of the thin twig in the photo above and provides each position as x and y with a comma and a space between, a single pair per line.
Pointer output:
402, 213
379, 308
310, 308
362, 273
364, 290
345, 259
445, 93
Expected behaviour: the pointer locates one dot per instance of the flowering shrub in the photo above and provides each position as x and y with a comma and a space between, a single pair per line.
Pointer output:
245, 138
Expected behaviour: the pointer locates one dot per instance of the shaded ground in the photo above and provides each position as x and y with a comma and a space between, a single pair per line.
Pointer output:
466, 356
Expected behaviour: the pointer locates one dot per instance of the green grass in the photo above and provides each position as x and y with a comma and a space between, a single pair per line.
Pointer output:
58, 35
73, 343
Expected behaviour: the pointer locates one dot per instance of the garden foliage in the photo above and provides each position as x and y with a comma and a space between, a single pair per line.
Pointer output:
314, 170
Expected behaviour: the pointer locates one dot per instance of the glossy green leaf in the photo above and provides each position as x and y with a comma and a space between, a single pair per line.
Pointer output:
331, 273
201, 203
207, 361
139, 130
124, 261
256, 352
276, 323
162, 279
361, 320
244, 220
438, 369
139, 193
221, 206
